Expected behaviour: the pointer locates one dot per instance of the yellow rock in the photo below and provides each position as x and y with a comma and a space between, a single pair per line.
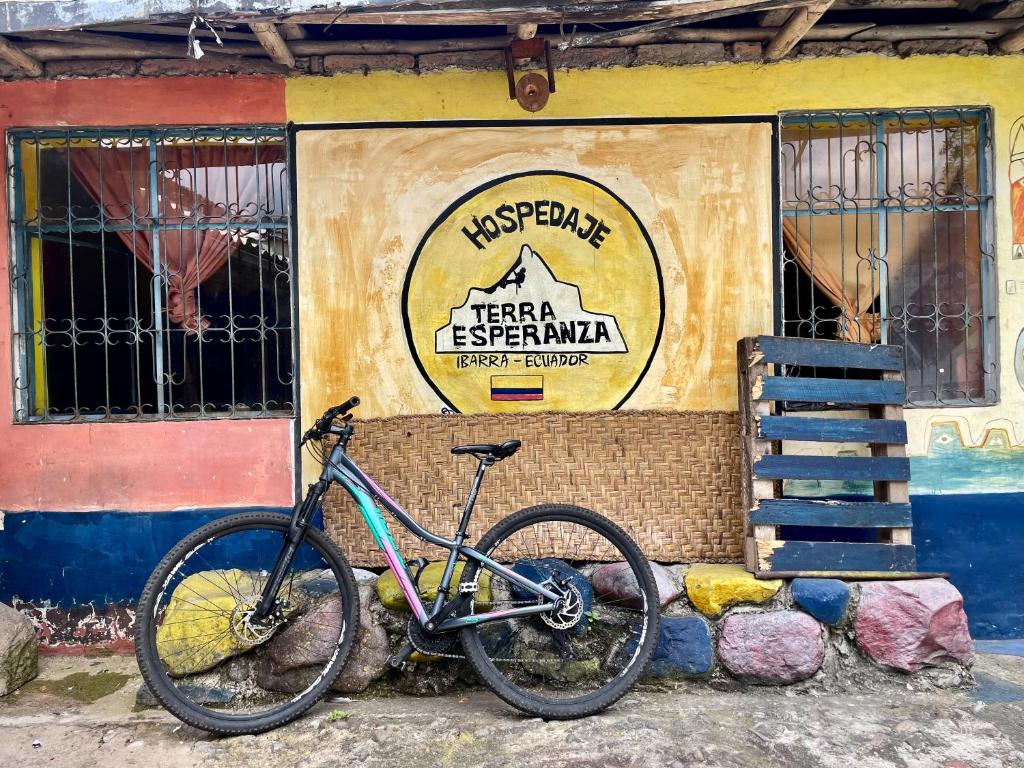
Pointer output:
390, 593
713, 588
196, 631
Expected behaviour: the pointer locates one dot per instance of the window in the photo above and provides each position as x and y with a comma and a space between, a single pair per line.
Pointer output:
151, 274
887, 237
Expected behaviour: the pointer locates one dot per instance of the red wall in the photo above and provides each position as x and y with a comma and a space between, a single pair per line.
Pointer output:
147, 466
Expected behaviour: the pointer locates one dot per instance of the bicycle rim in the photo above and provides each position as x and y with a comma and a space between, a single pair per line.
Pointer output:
210, 661
583, 657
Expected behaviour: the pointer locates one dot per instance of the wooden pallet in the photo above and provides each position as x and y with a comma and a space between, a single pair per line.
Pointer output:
764, 427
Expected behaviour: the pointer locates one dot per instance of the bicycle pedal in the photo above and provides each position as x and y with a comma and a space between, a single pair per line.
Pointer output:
470, 587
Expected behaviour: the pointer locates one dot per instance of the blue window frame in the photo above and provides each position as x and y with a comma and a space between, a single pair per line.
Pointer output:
888, 237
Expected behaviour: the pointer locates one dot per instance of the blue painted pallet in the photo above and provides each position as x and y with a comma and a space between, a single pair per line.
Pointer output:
794, 467
830, 556
832, 430
830, 354
829, 513
854, 391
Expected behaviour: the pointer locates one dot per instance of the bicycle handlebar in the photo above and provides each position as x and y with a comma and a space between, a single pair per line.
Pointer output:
322, 425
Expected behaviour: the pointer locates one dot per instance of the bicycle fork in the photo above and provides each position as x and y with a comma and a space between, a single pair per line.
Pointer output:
296, 533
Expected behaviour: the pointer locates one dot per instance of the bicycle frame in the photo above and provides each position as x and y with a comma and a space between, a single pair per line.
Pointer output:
340, 468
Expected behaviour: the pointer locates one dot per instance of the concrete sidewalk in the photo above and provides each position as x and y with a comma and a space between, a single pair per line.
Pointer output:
81, 712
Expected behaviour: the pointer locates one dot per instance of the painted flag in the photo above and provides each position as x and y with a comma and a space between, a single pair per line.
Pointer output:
517, 387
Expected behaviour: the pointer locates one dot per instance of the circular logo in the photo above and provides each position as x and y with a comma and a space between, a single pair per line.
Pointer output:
536, 291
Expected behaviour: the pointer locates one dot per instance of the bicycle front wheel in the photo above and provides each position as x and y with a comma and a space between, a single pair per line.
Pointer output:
582, 658
209, 660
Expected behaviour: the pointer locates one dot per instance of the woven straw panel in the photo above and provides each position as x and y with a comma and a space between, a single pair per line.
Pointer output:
671, 479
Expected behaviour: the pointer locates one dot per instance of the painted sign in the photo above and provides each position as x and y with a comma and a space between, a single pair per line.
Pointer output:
536, 291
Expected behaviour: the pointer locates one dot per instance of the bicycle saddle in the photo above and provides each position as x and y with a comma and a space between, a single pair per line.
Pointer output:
482, 450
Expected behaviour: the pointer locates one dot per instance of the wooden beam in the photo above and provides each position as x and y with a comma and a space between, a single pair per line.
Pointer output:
773, 18
525, 31
179, 31
1011, 10
1012, 42
45, 51
16, 57
724, 9
273, 43
292, 31
982, 30
799, 24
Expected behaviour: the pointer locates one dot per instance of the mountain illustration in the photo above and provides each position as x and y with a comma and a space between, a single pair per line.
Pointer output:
528, 310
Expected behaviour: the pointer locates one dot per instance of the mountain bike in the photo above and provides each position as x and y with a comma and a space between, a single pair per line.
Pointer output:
247, 622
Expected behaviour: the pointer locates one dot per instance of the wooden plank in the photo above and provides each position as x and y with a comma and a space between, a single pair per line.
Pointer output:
799, 24
750, 363
791, 467
273, 43
830, 354
16, 57
833, 556
831, 513
832, 430
853, 391
898, 492
852, 575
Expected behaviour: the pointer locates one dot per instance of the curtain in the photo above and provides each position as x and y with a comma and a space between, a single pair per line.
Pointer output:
856, 322
211, 184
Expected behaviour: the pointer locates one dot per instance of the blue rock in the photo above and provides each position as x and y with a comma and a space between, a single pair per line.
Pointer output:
824, 599
684, 648
540, 570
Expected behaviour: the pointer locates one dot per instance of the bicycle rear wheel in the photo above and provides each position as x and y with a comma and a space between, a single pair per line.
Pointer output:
583, 658
205, 657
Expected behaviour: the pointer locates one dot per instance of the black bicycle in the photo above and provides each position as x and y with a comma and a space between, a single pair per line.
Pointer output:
245, 623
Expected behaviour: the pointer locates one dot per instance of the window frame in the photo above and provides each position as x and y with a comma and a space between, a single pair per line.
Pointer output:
22, 308
985, 206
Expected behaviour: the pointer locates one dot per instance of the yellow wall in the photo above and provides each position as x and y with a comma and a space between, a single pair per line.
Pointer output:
734, 89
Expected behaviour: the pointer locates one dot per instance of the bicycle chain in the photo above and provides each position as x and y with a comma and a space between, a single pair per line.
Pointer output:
459, 655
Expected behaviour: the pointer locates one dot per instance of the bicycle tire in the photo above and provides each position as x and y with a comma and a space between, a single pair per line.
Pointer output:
595, 701
152, 668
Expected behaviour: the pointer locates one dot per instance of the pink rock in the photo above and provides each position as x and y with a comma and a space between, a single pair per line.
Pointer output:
778, 647
913, 624
616, 583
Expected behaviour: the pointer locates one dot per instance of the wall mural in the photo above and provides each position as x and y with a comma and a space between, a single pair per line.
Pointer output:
1017, 186
534, 292
525, 268
954, 462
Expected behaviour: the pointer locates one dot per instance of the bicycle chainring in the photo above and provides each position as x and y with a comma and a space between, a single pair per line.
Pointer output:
433, 643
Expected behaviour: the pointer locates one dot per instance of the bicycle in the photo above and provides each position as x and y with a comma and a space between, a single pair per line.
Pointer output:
246, 623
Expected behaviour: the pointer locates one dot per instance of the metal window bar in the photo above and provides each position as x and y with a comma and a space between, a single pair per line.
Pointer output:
140, 352
895, 208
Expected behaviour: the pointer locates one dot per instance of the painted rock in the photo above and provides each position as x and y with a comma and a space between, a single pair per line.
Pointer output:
825, 599
195, 634
713, 588
540, 569
684, 648
913, 624
772, 648
616, 583
295, 655
390, 593
19, 659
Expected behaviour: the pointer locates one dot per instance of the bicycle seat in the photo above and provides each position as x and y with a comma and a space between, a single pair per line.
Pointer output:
484, 450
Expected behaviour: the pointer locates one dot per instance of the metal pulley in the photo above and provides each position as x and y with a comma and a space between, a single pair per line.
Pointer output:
532, 89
